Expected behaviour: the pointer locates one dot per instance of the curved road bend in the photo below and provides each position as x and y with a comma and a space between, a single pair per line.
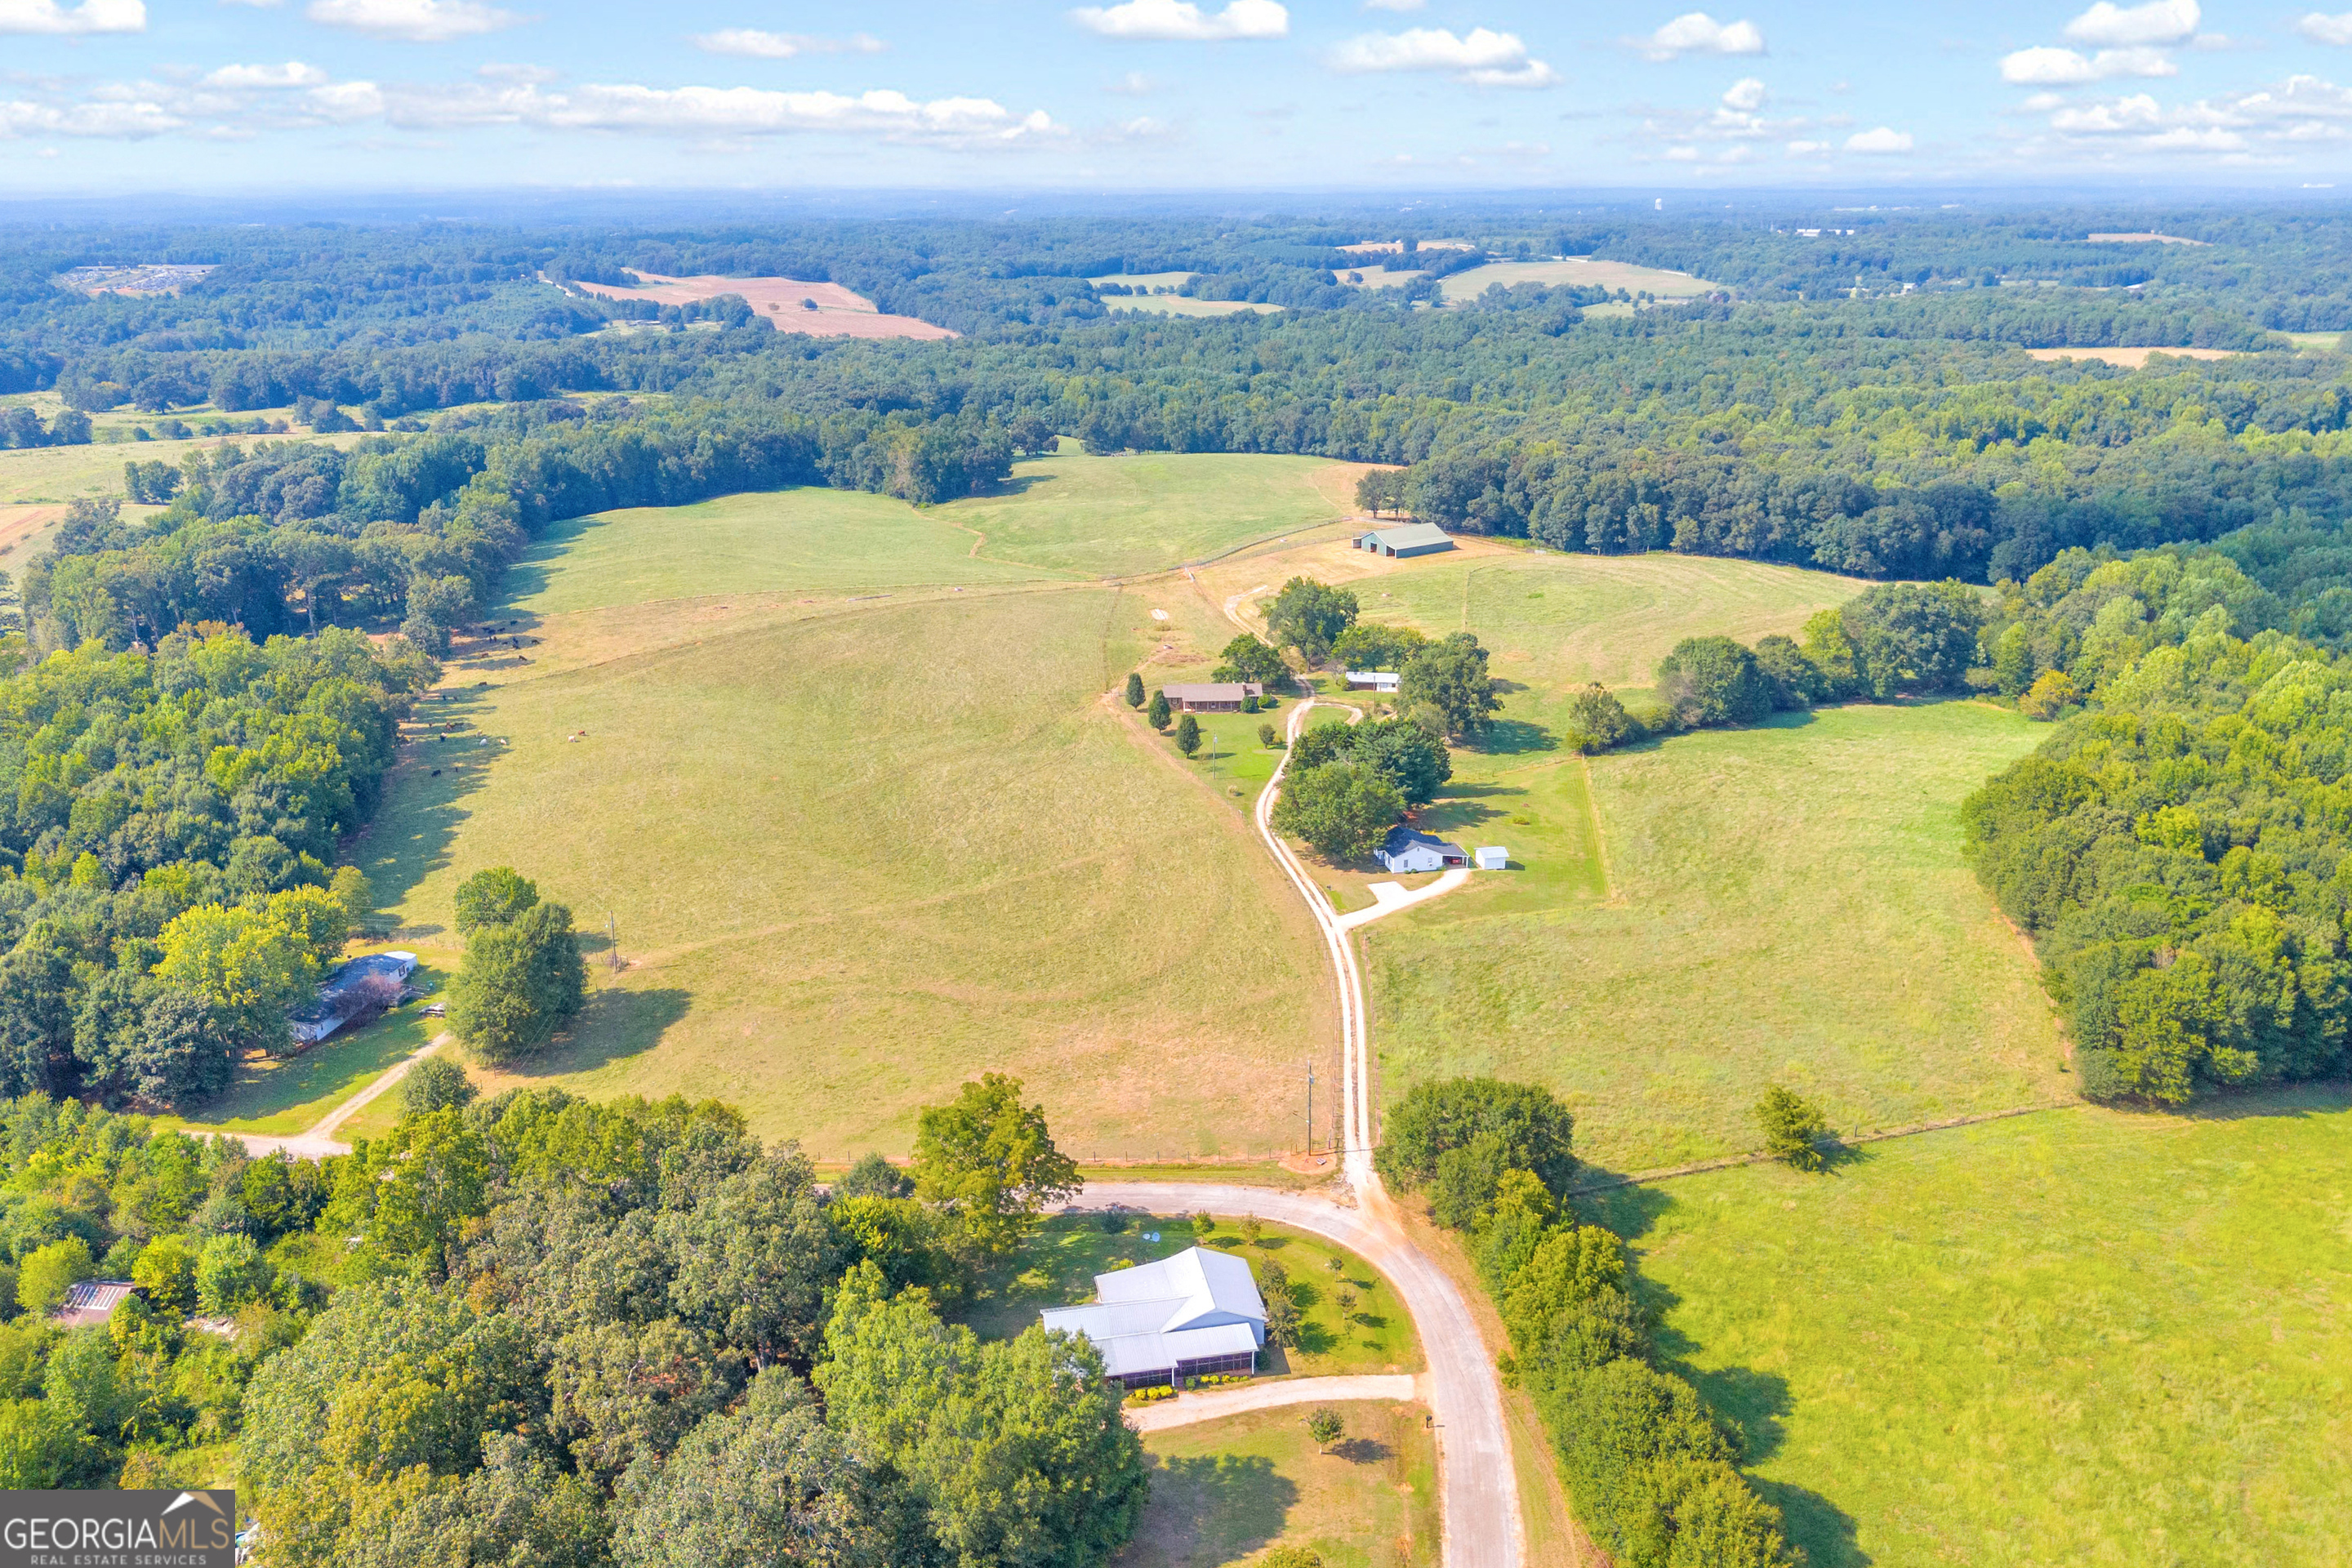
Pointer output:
1478, 1485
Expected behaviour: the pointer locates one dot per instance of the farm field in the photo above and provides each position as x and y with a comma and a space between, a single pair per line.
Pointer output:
1784, 903
1185, 305
839, 312
854, 862
1059, 1266
33, 475
1119, 516
2129, 358
1224, 1491
1573, 270
2084, 1337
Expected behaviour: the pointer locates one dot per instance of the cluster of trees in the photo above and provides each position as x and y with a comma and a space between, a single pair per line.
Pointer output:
522, 978
538, 1330
1891, 639
1652, 1475
21, 427
167, 821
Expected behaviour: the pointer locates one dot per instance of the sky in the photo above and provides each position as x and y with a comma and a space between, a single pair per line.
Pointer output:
104, 97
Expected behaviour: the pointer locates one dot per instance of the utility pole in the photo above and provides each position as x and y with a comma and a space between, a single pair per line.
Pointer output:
612, 943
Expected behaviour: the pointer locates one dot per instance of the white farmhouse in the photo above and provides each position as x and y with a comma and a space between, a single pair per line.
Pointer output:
1187, 1316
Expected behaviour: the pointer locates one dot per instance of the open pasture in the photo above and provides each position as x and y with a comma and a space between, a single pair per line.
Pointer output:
1148, 511
859, 857
1575, 271
2129, 358
2083, 1337
1224, 1491
1185, 305
839, 314
1786, 903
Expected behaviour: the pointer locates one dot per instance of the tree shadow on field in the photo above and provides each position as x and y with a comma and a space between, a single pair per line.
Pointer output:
441, 761
1628, 1212
1824, 1530
1360, 1450
614, 1023
1507, 737
1215, 1507
2292, 1099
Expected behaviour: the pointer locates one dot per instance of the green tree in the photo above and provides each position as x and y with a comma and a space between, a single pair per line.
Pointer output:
247, 965
351, 889
2013, 660
1714, 680
1274, 1289
1436, 1118
989, 1160
494, 897
166, 1270
45, 1274
1188, 734
434, 1083
1309, 616
1247, 658
519, 985
1914, 636
1326, 1428
1267, 736
2052, 692
1796, 683
1134, 689
1793, 1127
1449, 676
1376, 645
230, 1272
1158, 712
1597, 721
42, 1447
1343, 809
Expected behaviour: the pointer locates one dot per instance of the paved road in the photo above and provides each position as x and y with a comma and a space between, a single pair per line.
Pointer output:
1477, 1487
1216, 1403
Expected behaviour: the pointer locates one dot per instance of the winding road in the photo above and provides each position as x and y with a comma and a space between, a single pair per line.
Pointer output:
1477, 1486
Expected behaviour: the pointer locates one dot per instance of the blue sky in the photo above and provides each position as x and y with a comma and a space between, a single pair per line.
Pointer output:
106, 96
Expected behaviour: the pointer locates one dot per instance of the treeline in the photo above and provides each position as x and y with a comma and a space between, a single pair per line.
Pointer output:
167, 823
539, 1330
1651, 1474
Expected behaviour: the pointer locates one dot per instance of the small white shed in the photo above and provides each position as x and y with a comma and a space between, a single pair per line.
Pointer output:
1493, 858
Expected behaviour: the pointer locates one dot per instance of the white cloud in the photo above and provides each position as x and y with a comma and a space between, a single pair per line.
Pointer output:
1134, 84
2043, 102
2321, 28
2139, 113
2046, 66
1181, 21
124, 121
417, 21
2110, 26
1696, 33
89, 16
758, 45
1883, 140
1745, 95
293, 73
1394, 5
1481, 58
1681, 155
755, 111
1807, 149
344, 102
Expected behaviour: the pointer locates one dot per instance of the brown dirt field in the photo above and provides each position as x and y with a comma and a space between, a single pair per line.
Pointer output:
2130, 359
838, 314
18, 524
1382, 246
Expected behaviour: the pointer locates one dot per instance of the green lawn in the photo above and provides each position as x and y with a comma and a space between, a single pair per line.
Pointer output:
1374, 1335
811, 541
61, 473
1104, 517
290, 1096
2083, 1337
1224, 1491
1786, 903
857, 858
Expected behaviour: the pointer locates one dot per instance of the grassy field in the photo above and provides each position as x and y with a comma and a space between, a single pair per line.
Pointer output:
2083, 1337
857, 858
1781, 904
32, 474
290, 1096
1116, 516
1374, 1335
1574, 270
1185, 305
1224, 1491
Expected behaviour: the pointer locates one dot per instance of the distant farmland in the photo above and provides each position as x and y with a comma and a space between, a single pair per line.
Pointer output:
838, 313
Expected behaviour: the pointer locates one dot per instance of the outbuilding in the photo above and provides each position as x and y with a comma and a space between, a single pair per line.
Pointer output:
91, 1303
1493, 858
1405, 851
1188, 1315
1211, 696
1382, 680
1412, 539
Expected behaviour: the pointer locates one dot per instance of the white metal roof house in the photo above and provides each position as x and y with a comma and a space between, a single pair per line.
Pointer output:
1493, 858
90, 1303
349, 990
1387, 681
1412, 539
1186, 1316
1405, 850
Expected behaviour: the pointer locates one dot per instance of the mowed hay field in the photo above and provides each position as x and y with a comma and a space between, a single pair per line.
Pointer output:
1573, 272
2080, 1337
864, 846
1783, 904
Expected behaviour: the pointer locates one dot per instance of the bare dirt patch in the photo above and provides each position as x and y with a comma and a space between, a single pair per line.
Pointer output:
2149, 237
2130, 359
19, 524
837, 312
